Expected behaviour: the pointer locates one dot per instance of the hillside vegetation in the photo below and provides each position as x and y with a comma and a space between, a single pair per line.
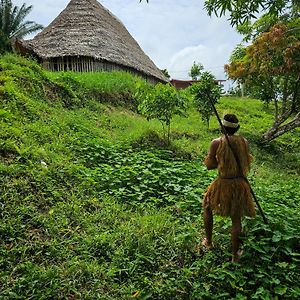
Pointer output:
94, 205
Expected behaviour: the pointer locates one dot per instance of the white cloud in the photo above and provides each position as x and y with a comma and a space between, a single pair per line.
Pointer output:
213, 60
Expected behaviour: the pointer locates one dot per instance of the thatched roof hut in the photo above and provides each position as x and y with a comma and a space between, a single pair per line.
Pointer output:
87, 37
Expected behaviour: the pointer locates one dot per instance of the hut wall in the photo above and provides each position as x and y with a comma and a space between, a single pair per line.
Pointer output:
89, 64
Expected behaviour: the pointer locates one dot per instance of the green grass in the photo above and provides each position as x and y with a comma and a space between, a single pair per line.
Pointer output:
115, 213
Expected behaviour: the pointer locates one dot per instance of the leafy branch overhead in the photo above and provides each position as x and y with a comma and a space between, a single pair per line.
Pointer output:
243, 11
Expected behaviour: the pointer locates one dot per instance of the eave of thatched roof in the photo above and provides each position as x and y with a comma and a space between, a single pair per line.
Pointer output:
86, 28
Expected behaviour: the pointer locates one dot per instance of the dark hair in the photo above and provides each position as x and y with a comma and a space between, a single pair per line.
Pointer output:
233, 119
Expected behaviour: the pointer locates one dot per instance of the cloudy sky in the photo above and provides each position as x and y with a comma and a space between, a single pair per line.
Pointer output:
173, 34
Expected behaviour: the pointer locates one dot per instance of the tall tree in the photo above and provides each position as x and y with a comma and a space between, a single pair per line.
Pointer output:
271, 65
13, 24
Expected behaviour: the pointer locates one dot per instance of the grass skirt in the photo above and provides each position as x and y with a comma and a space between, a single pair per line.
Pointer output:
229, 197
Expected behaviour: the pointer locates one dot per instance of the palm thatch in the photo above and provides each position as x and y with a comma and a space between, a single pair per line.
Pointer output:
87, 37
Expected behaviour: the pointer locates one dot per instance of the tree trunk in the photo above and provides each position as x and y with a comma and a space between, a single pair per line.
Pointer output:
285, 95
287, 110
164, 130
276, 108
295, 99
169, 129
277, 129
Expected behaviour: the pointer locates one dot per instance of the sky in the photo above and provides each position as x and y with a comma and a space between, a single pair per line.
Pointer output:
174, 34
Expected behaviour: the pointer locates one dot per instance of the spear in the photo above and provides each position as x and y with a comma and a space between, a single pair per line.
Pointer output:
236, 158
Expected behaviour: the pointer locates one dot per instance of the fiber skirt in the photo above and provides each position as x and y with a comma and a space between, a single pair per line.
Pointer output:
229, 197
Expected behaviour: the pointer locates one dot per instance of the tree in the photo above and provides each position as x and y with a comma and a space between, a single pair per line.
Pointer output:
160, 102
271, 65
203, 92
13, 24
166, 73
243, 11
195, 71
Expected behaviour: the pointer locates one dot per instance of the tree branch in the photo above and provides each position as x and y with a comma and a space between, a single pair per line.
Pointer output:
277, 131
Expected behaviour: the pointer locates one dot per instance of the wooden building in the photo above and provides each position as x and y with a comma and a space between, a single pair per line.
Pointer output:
183, 84
86, 37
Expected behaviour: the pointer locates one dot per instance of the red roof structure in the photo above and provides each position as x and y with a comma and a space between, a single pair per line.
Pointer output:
183, 84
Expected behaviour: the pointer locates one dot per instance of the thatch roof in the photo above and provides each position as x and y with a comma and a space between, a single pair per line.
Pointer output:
86, 28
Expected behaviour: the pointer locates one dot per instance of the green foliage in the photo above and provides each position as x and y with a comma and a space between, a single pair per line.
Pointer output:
160, 102
13, 24
244, 11
115, 88
196, 70
238, 53
204, 92
270, 71
166, 73
93, 205
251, 31
24, 78
133, 176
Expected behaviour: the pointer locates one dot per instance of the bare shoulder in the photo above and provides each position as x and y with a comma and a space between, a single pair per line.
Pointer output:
214, 145
215, 142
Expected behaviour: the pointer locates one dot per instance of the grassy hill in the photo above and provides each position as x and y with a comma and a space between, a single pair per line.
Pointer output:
94, 205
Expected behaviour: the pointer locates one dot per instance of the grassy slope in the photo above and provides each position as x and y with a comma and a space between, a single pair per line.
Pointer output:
115, 215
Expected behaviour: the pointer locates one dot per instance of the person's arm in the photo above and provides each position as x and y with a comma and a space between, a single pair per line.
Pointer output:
210, 160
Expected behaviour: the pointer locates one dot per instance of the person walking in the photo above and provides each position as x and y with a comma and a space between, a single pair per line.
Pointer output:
229, 194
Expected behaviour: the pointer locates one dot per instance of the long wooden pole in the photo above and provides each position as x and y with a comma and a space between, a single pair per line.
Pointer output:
237, 159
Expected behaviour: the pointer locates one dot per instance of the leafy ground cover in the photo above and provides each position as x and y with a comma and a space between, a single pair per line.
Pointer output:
94, 205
